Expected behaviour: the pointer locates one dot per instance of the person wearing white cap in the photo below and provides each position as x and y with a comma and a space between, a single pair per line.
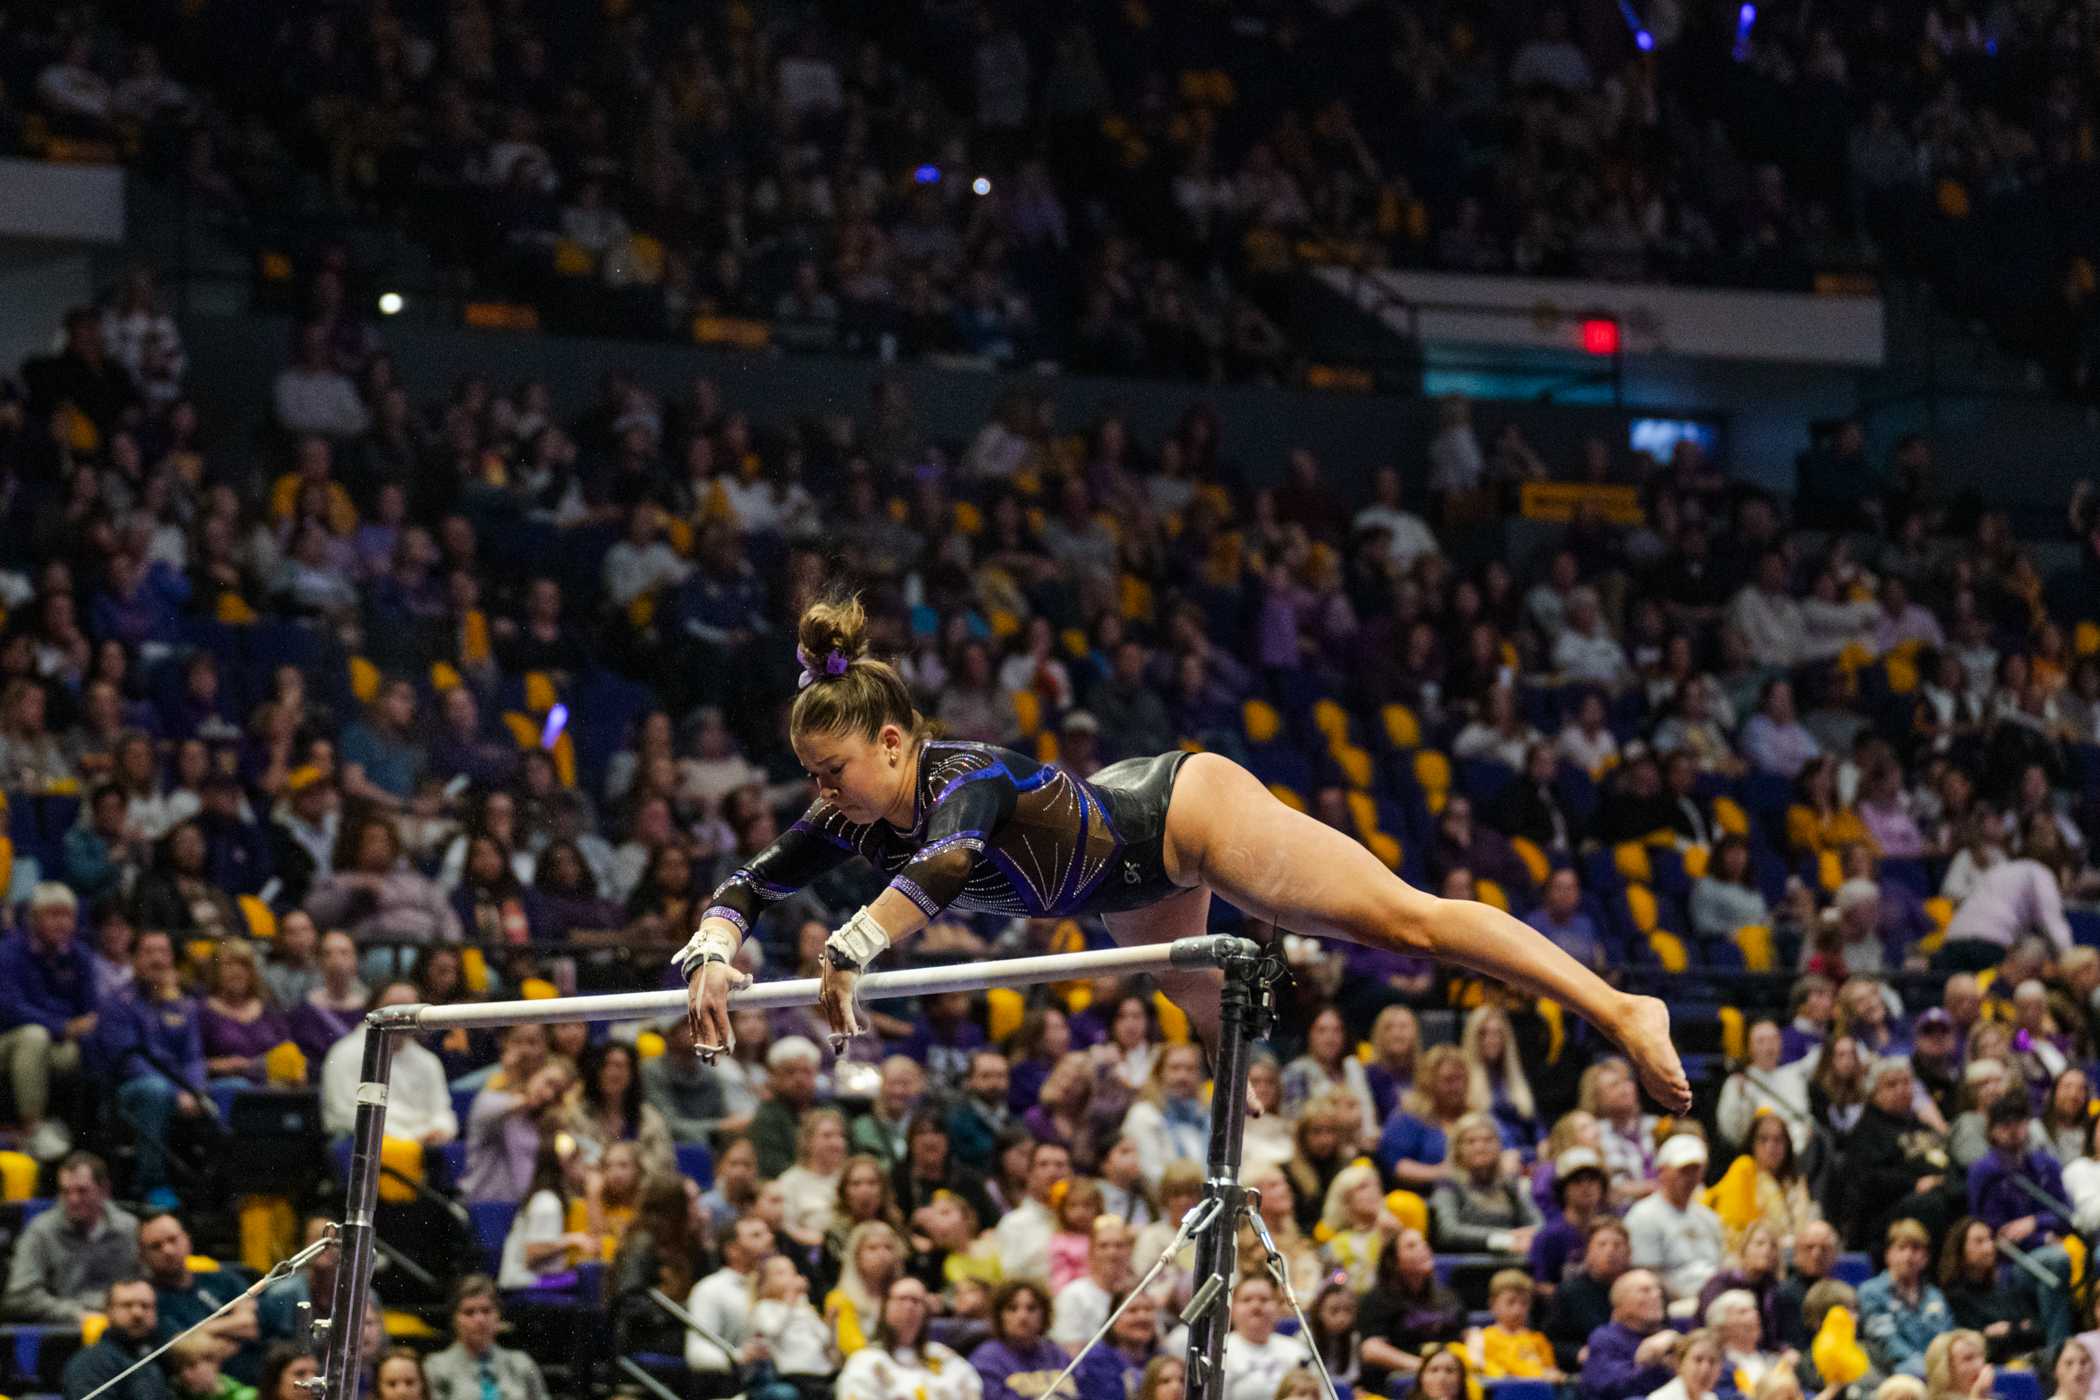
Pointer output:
1672, 1231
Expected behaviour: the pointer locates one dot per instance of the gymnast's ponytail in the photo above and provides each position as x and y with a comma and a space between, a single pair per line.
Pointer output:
843, 690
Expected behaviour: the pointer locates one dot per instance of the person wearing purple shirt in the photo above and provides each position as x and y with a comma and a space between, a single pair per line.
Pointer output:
1578, 1199
154, 1049
1629, 1355
47, 1009
1560, 917
1813, 1003
139, 603
943, 1038
1019, 1362
503, 1136
1774, 739
1998, 1198
238, 1024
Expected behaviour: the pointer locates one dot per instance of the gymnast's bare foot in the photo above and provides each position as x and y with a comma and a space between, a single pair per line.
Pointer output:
1643, 1031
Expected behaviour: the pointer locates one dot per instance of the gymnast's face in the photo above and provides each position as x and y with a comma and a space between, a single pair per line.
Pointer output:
866, 779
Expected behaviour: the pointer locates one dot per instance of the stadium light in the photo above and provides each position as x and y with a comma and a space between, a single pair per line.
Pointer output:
1600, 336
980, 186
927, 175
390, 303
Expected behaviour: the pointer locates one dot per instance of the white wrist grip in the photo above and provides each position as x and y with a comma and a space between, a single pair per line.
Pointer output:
705, 942
859, 939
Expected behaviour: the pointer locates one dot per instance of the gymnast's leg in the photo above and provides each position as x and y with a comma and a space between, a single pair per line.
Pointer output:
1227, 832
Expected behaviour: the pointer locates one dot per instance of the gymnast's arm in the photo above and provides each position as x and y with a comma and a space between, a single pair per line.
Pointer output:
806, 851
963, 821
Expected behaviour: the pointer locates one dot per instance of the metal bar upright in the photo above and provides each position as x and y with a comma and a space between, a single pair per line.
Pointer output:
353, 1276
1241, 1015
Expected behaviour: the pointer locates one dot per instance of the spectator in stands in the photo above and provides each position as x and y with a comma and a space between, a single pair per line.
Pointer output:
277, 1311
377, 895
419, 1103
504, 1133
241, 1025
185, 1297
1406, 1311
791, 1066
1774, 740
1257, 1357
1169, 1121
1024, 1233
2006, 902
335, 1004
179, 895
48, 1009
382, 760
1019, 1360
1630, 1355
65, 1259
1585, 740
1585, 651
1900, 1310
1997, 1197
1673, 1233
474, 1365
1981, 1299
129, 1305
902, 1360
1476, 1208
1561, 917
154, 1045
1582, 1303
314, 397
1414, 1144
1815, 1254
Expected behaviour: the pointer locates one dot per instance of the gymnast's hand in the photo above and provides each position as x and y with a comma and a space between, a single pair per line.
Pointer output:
707, 1007
835, 995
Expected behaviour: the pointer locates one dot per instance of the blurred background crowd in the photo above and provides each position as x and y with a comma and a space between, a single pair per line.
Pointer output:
434, 691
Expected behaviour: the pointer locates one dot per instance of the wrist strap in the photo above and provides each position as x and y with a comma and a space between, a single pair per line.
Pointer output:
705, 946
857, 942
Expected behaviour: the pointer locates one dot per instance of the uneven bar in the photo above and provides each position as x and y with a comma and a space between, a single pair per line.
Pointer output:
1209, 951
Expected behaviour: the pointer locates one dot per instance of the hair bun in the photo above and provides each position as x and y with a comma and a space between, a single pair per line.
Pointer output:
834, 625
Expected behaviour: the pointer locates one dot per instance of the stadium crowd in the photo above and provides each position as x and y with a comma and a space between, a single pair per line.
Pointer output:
280, 739
1117, 187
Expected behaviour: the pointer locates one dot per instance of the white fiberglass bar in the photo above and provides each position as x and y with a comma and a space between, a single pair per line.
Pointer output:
1209, 951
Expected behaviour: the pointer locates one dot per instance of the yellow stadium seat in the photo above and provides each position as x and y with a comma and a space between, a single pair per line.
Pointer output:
1695, 859
92, 1326
572, 259
404, 1155
1355, 764
1409, 1209
2085, 638
1940, 910
1902, 674
1074, 642
200, 1264
538, 989
1490, 894
641, 612
269, 1230
1402, 729
1830, 871
474, 970
1003, 622
364, 680
524, 729
1331, 720
1386, 847
1432, 771
1853, 656
1261, 721
1046, 749
1556, 1028
679, 535
2076, 1248
1287, 796
1755, 943
406, 1326
1003, 1010
199, 950
262, 923
1735, 1035
969, 520
899, 509
1669, 950
539, 692
649, 1045
1173, 1021
1363, 810
1731, 816
1028, 710
285, 1064
1134, 601
1534, 859
444, 676
1640, 903
18, 1171
1631, 859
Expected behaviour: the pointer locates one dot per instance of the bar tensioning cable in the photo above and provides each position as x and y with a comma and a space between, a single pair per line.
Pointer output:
1212, 950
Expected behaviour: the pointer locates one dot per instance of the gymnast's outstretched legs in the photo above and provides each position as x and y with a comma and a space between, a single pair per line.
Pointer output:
1226, 832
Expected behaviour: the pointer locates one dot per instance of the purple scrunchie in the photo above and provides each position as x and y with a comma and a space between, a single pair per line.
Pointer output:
835, 663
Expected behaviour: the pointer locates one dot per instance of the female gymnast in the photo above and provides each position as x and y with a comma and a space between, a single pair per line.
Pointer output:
1144, 843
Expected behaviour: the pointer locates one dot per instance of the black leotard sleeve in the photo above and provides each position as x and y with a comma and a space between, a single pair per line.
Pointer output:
805, 851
